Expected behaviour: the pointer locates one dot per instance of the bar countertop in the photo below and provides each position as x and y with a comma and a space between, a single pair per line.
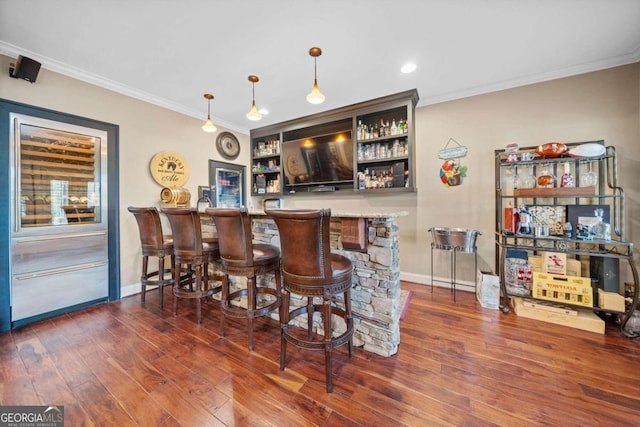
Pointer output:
353, 214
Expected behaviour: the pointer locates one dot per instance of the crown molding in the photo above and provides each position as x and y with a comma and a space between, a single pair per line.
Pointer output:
630, 58
96, 80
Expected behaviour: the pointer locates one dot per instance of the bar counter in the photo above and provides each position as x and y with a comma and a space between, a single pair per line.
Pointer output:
370, 241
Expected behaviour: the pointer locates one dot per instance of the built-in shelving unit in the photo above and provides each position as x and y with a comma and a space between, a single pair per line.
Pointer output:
366, 147
266, 165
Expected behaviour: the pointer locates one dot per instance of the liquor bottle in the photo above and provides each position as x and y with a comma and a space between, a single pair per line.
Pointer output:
383, 129
601, 230
394, 128
387, 129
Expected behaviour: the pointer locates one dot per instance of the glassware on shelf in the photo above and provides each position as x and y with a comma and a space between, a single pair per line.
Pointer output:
601, 230
567, 180
512, 152
546, 179
524, 178
590, 178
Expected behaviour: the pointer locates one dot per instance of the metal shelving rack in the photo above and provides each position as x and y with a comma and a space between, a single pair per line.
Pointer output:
606, 191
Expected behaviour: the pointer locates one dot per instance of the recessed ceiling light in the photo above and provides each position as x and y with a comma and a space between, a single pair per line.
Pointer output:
263, 111
408, 68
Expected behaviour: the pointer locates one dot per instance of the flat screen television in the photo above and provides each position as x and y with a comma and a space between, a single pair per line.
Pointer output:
324, 160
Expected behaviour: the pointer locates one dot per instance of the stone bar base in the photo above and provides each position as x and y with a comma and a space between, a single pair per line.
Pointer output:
375, 293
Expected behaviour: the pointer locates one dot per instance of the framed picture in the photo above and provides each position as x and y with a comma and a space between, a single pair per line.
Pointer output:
204, 192
585, 215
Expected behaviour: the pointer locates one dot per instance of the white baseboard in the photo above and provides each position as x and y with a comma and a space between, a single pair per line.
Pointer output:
438, 281
136, 288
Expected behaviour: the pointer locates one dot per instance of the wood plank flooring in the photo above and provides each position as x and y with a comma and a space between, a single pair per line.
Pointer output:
124, 364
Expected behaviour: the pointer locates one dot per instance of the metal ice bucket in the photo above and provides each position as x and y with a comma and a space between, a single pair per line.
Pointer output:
459, 239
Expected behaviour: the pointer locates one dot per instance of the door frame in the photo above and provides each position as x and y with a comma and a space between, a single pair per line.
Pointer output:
113, 198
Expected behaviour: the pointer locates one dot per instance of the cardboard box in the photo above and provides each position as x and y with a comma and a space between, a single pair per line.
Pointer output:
536, 263
610, 300
488, 290
563, 289
574, 266
585, 319
554, 262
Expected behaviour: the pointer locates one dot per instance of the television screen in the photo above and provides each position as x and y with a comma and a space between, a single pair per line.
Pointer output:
324, 159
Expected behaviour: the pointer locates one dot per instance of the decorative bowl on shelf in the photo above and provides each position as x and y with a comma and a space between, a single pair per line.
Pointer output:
512, 152
551, 149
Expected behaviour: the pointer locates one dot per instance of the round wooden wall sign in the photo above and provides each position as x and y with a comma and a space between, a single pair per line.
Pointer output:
169, 169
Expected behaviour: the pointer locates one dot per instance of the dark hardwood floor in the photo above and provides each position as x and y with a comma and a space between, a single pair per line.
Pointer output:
126, 364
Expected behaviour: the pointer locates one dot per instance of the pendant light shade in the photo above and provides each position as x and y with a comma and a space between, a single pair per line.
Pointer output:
208, 126
315, 97
253, 114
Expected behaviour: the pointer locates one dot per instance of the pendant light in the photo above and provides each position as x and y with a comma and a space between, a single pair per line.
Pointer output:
253, 114
208, 126
315, 97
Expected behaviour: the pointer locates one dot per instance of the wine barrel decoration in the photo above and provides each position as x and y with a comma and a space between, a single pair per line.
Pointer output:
175, 197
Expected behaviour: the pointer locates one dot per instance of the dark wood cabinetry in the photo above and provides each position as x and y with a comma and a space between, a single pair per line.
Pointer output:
385, 150
364, 147
266, 165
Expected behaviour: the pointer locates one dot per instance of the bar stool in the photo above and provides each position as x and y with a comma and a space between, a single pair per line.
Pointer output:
310, 270
191, 249
154, 244
241, 257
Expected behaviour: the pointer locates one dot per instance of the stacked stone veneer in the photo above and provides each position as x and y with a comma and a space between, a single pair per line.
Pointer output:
375, 293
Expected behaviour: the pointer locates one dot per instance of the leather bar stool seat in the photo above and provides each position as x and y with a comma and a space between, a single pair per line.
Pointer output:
154, 244
310, 270
190, 249
241, 257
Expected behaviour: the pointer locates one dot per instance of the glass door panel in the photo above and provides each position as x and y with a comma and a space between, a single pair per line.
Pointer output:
58, 177
226, 181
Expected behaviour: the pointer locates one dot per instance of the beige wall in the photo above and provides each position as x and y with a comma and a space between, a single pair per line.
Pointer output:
593, 106
145, 130
600, 105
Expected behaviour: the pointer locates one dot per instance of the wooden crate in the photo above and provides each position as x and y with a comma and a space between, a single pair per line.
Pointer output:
563, 289
610, 300
585, 319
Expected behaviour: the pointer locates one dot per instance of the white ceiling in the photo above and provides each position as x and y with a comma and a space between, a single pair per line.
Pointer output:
171, 52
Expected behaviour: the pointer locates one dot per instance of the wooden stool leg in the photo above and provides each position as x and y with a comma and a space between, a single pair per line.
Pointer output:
284, 320
251, 307
224, 301
161, 280
176, 284
348, 319
199, 287
327, 342
310, 311
144, 277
